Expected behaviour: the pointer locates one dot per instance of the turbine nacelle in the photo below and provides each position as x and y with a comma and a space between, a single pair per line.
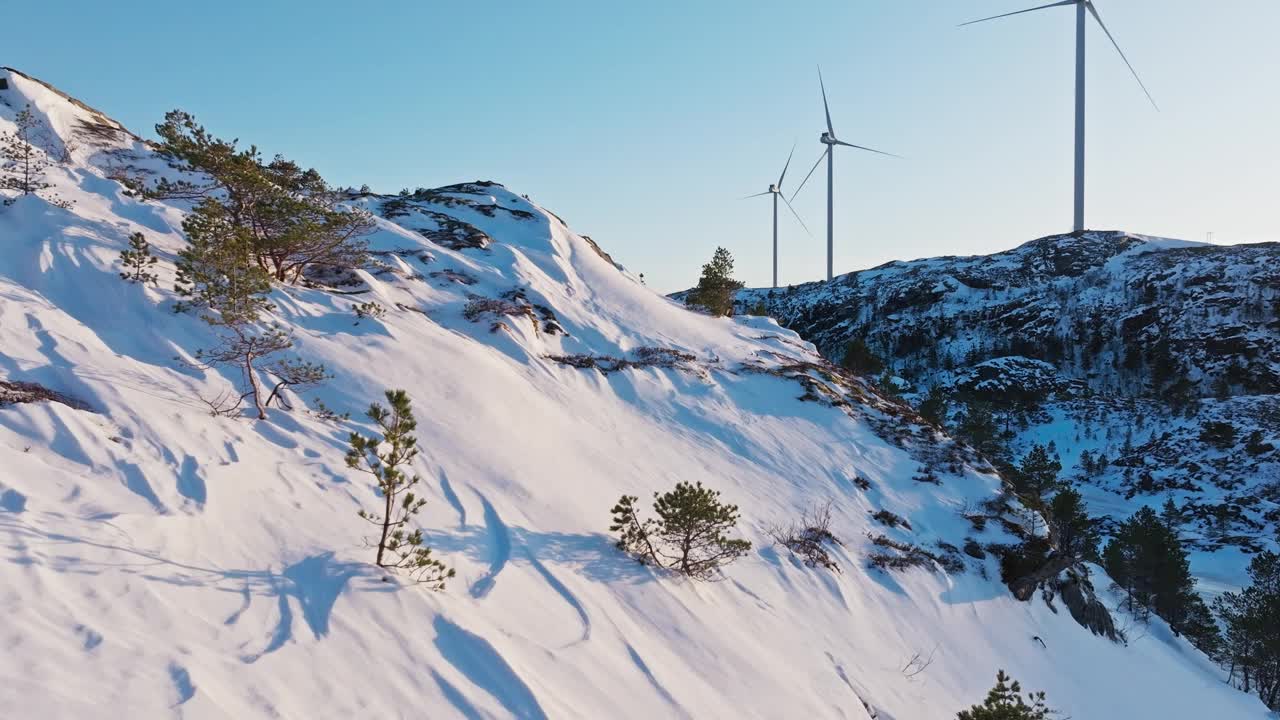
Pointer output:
827, 139
774, 190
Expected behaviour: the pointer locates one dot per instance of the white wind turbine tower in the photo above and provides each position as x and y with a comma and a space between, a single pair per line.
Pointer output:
1083, 9
776, 191
828, 138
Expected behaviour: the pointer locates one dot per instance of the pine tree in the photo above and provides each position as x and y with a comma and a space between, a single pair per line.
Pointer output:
859, 359
289, 218
1005, 702
1038, 474
1251, 642
22, 163
716, 287
1147, 560
1170, 515
218, 271
688, 535
977, 425
217, 274
934, 406
1086, 463
388, 459
138, 260
1071, 531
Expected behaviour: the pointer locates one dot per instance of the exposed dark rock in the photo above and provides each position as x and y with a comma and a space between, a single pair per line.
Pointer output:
1085, 607
13, 393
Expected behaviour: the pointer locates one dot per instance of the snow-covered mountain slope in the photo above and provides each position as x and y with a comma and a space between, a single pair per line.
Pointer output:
1118, 345
156, 561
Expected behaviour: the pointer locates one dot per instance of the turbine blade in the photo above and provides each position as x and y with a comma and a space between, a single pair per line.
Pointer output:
830, 130
806, 177
784, 167
1096, 16
880, 152
748, 197
793, 212
1042, 7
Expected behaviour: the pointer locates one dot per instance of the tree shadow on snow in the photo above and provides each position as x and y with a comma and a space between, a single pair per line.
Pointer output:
313, 584
475, 658
592, 555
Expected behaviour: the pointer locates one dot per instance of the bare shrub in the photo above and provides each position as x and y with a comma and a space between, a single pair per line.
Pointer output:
891, 519
454, 276
927, 475
663, 357
580, 361
918, 663
907, 556
370, 310
478, 307
809, 536
225, 404
975, 515
644, 357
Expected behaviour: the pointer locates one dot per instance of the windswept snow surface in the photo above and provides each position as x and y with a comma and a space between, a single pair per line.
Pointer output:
159, 562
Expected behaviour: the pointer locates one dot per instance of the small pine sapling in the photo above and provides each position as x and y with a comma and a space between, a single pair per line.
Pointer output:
387, 458
138, 261
688, 535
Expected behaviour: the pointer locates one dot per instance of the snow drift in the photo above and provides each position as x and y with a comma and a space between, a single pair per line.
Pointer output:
157, 561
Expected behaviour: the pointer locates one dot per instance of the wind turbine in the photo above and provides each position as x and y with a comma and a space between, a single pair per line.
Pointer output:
1083, 9
776, 191
828, 138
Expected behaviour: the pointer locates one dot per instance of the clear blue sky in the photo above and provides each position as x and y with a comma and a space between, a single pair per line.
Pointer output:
643, 123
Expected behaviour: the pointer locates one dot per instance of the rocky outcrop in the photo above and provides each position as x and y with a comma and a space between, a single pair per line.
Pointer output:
13, 393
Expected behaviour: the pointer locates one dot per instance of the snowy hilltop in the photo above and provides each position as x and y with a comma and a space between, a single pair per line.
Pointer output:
168, 554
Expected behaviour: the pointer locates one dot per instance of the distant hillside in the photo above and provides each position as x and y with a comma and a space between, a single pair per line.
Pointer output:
1116, 345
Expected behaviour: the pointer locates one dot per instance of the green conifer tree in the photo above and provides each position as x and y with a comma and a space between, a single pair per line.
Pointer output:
1038, 475
389, 459
934, 406
860, 359
1071, 531
689, 534
1147, 560
288, 218
218, 272
138, 260
1005, 702
977, 425
23, 163
1251, 634
716, 288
